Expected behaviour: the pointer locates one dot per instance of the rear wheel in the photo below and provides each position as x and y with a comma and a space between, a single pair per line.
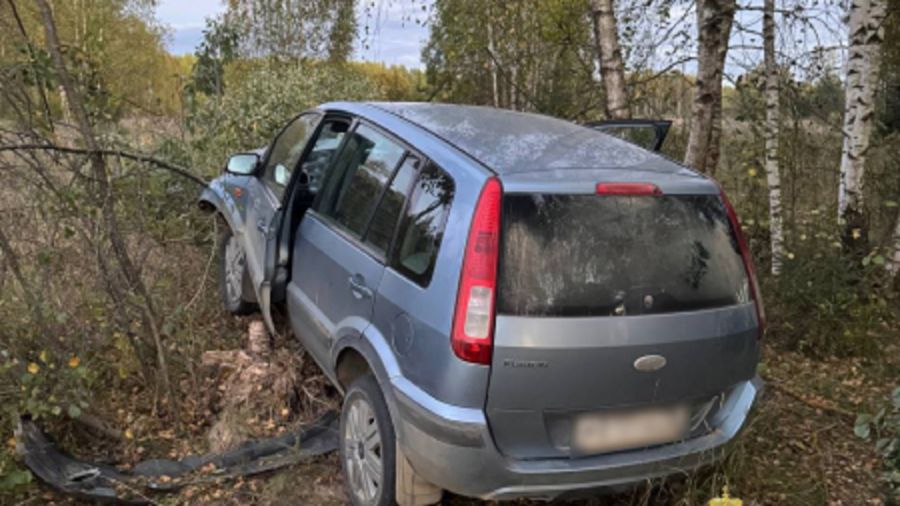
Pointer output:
368, 451
233, 275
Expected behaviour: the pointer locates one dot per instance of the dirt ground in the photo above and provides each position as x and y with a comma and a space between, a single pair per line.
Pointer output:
798, 448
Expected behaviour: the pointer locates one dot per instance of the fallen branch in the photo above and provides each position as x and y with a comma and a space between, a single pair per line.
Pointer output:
92, 422
812, 402
108, 152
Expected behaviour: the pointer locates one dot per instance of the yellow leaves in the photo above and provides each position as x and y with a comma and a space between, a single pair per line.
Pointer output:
857, 233
725, 499
74, 361
790, 256
43, 356
752, 172
33, 368
129, 434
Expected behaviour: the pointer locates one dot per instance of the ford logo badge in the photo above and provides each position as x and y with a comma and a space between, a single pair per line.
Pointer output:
650, 363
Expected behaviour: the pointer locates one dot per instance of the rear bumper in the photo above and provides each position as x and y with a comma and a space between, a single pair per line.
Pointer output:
453, 448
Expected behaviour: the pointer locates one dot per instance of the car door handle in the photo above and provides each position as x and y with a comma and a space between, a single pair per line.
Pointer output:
359, 288
263, 227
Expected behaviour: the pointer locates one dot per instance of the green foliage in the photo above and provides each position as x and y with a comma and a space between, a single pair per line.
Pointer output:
534, 48
884, 428
262, 96
218, 48
826, 302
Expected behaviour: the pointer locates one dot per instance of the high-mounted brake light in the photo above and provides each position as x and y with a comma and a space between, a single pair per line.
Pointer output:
473, 321
748, 262
629, 189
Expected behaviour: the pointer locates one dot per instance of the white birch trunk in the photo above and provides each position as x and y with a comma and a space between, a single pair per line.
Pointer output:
714, 21
494, 87
612, 66
773, 178
863, 62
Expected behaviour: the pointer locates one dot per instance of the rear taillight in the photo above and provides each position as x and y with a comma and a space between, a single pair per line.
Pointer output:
748, 262
473, 321
629, 189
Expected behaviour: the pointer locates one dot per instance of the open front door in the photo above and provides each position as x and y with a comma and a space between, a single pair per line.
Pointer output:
647, 133
269, 195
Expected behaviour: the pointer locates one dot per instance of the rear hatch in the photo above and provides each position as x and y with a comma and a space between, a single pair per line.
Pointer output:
615, 304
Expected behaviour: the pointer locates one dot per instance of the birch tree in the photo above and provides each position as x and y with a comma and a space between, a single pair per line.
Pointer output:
866, 34
612, 65
714, 21
773, 178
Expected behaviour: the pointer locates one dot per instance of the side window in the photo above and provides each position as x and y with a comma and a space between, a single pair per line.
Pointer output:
286, 151
360, 173
422, 228
319, 158
384, 222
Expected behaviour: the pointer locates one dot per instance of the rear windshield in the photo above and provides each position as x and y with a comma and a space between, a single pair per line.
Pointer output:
591, 255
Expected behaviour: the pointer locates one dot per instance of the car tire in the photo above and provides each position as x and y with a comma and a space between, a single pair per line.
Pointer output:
368, 445
233, 275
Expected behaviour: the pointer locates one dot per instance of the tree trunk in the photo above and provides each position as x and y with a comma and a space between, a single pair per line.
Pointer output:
863, 62
105, 197
612, 67
714, 20
495, 90
773, 177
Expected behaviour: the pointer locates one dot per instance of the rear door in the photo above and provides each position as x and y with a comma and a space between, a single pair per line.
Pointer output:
614, 303
336, 268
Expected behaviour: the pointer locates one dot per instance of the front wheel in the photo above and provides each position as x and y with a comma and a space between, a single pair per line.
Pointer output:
233, 275
368, 445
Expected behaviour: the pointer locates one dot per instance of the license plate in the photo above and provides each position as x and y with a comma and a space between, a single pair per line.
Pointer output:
606, 432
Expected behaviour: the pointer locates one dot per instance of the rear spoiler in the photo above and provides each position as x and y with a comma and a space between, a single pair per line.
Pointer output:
660, 128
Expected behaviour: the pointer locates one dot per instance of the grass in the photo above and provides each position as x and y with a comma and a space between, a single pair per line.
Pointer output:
797, 447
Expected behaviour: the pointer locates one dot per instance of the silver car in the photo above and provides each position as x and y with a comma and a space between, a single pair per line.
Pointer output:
512, 305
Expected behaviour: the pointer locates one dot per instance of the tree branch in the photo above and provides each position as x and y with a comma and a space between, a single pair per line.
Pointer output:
108, 152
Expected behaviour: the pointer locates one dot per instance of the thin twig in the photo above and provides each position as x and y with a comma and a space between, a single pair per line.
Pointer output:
108, 152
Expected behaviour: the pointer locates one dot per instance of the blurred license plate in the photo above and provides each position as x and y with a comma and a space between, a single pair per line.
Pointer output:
606, 432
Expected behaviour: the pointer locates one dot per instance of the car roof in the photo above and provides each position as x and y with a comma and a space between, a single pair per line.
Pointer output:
531, 150
511, 141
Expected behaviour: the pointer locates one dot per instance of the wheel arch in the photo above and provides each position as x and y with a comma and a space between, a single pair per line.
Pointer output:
369, 353
211, 201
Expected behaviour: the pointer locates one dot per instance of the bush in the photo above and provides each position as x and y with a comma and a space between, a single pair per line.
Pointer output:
885, 426
826, 302
261, 96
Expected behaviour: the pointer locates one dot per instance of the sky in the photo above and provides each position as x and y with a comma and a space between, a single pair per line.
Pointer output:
388, 33
393, 39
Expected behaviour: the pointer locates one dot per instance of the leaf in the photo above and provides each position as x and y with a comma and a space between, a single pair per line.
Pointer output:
863, 428
896, 397
878, 260
74, 411
15, 479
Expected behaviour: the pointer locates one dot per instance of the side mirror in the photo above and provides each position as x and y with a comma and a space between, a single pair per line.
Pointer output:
242, 164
